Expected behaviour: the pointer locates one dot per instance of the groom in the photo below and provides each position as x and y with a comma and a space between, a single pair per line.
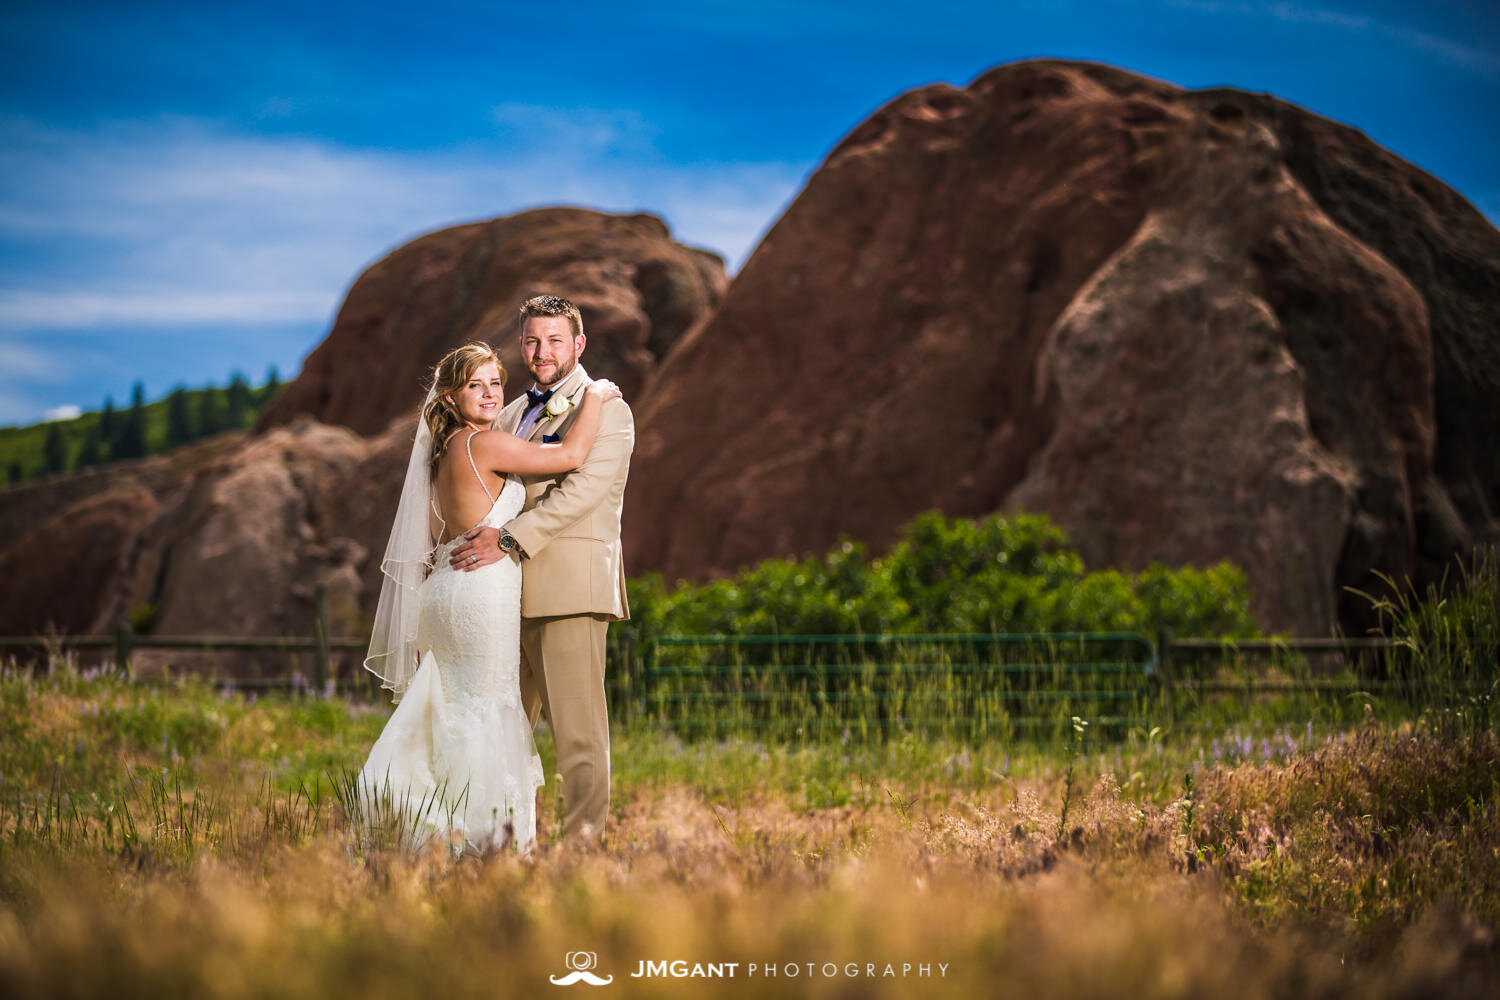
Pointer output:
568, 541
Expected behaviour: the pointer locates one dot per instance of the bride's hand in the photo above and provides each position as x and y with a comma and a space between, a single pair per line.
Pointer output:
604, 389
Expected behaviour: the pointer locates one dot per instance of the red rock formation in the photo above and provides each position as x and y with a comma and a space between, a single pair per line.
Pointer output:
1189, 326
231, 536
64, 574
639, 292
228, 538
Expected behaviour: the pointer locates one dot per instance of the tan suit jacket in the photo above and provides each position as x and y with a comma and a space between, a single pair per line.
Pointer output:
570, 526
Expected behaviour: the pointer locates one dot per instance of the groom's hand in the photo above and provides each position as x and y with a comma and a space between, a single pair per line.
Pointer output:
481, 549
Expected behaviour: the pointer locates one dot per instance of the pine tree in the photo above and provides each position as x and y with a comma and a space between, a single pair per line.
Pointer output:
54, 450
133, 436
179, 418
92, 452
109, 427
210, 413
238, 401
273, 384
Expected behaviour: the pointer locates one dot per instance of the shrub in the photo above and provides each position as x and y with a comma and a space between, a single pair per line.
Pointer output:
998, 574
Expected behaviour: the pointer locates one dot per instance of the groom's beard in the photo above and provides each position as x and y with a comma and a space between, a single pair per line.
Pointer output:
563, 371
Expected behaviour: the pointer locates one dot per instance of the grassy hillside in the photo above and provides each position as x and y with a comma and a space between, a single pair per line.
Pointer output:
99, 436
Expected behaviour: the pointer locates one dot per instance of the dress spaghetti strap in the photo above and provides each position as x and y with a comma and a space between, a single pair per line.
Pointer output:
469, 447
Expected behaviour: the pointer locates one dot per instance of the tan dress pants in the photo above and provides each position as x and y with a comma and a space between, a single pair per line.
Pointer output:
563, 672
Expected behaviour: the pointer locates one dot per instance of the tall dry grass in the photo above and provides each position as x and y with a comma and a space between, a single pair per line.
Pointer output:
1358, 863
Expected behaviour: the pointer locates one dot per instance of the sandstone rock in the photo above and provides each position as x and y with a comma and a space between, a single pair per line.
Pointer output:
228, 540
639, 292
242, 552
65, 575
1189, 326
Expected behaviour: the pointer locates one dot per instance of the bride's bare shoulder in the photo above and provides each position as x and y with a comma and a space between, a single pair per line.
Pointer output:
493, 446
490, 438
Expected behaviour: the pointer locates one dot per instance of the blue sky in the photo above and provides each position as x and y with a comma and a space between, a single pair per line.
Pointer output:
187, 189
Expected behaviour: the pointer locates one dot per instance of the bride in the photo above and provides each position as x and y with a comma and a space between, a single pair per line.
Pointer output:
456, 761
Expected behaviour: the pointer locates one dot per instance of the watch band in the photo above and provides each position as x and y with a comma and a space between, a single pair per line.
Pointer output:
509, 544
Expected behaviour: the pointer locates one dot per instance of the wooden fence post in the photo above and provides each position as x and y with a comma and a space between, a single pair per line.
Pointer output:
122, 648
320, 635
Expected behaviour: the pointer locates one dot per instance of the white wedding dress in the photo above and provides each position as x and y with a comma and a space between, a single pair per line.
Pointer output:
456, 761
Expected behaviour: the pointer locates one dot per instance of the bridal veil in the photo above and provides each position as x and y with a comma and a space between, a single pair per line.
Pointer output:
394, 655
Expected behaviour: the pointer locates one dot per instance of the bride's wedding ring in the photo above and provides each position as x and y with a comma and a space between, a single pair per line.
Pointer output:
473, 559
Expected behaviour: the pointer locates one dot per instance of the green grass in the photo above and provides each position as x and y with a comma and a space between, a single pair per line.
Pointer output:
98, 733
179, 839
133, 816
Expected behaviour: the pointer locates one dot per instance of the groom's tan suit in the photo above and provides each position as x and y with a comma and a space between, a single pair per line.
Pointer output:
572, 587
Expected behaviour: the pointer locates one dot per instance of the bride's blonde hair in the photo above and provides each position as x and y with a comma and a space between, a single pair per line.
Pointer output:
452, 374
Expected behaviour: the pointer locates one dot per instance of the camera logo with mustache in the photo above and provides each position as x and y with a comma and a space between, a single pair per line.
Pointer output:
581, 962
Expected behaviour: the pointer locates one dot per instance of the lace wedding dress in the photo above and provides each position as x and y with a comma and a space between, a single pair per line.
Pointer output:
456, 761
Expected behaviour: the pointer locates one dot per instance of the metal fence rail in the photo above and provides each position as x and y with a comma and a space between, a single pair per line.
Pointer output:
1013, 682
124, 642
981, 683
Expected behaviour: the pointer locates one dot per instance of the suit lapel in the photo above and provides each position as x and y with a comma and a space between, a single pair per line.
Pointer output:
510, 417
571, 387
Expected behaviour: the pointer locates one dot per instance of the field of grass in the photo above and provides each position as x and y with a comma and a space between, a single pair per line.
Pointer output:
179, 840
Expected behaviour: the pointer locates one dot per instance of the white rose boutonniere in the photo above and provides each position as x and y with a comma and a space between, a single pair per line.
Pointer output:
557, 406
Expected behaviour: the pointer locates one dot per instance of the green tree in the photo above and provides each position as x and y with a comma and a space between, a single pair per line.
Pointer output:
272, 386
179, 418
132, 442
92, 452
109, 426
15, 474
210, 412
54, 450
237, 401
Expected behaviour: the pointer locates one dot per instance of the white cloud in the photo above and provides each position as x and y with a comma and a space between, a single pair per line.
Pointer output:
1483, 61
171, 220
65, 412
33, 376
20, 361
1467, 56
577, 130
1302, 14
160, 307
